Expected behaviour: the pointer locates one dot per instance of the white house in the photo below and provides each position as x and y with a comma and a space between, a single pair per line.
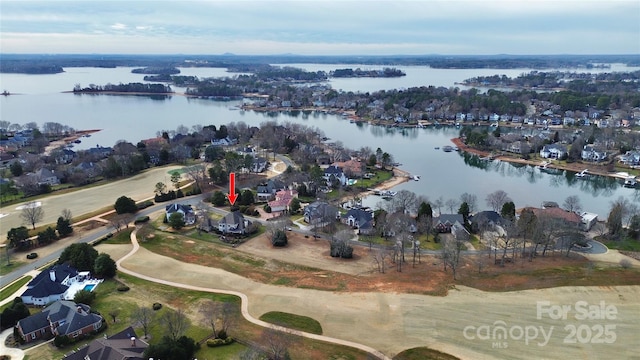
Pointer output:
553, 151
187, 212
334, 172
591, 153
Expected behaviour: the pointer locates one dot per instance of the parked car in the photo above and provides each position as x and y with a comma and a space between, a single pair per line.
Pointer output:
32, 255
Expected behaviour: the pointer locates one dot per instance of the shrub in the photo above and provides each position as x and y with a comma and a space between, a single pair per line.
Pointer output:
219, 342
61, 341
122, 288
267, 209
144, 204
141, 219
279, 238
156, 306
625, 263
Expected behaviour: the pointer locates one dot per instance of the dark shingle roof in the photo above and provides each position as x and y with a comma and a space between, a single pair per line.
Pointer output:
115, 347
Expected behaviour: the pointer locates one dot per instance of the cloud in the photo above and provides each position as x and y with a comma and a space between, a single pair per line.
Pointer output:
330, 26
119, 26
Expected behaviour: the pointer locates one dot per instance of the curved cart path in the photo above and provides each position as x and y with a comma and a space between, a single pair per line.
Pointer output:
384, 324
244, 307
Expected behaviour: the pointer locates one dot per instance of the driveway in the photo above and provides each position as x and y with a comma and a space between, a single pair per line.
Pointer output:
14, 353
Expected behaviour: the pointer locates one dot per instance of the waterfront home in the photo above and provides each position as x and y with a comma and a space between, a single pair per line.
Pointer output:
593, 153
553, 151
351, 168
485, 219
187, 212
334, 173
445, 222
124, 345
61, 318
587, 220
567, 218
631, 158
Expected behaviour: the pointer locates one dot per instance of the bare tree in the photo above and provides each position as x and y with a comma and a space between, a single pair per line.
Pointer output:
198, 174
219, 316
32, 213
451, 248
121, 221
497, 199
66, 214
277, 343
175, 323
572, 204
452, 204
439, 203
404, 201
379, 258
144, 317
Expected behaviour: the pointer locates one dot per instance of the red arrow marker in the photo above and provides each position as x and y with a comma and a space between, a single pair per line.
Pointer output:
232, 196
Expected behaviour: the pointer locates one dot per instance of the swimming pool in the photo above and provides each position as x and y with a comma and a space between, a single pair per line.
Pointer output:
89, 287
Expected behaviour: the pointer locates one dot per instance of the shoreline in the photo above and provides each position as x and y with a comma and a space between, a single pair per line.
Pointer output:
575, 167
68, 140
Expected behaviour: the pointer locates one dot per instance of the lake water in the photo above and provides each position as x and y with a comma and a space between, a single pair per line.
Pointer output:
443, 175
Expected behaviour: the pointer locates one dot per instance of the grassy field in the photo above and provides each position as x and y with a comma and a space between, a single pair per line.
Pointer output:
9, 290
293, 321
144, 294
423, 353
626, 244
13, 265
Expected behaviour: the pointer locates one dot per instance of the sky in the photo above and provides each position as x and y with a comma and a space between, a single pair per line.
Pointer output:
327, 27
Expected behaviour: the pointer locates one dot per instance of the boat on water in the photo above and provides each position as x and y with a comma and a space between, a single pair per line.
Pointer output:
583, 174
385, 193
415, 177
543, 165
437, 147
77, 141
630, 182
447, 148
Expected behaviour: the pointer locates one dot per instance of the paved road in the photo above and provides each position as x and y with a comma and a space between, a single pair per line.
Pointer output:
89, 199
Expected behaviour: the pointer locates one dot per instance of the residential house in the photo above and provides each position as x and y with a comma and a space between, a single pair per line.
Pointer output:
445, 222
226, 141
64, 156
259, 165
485, 219
593, 153
187, 212
631, 158
567, 217
587, 220
399, 222
45, 176
61, 318
282, 201
351, 168
267, 191
124, 345
319, 213
334, 173
100, 152
233, 223
89, 169
359, 218
58, 282
553, 151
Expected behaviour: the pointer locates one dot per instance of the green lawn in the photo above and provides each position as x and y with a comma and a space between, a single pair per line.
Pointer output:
298, 322
12, 288
122, 237
625, 245
5, 269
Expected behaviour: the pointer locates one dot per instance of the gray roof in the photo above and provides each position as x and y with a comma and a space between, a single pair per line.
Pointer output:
448, 219
116, 347
70, 316
233, 218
